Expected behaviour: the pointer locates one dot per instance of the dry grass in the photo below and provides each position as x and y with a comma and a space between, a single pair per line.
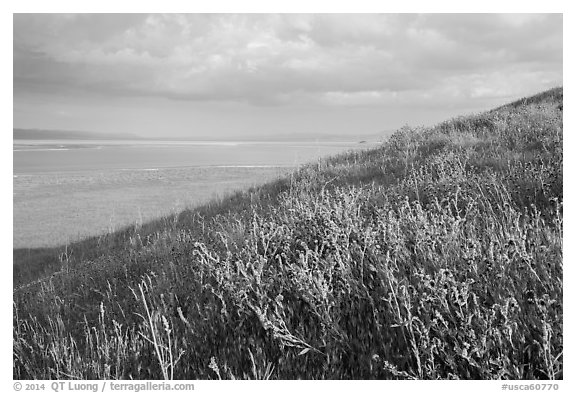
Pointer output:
436, 256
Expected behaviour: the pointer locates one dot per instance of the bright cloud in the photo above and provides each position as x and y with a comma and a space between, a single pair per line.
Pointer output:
268, 57
394, 64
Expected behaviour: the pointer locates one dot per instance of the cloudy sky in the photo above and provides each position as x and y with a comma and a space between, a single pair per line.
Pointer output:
234, 75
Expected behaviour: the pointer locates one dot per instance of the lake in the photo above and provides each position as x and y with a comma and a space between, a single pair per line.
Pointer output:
66, 190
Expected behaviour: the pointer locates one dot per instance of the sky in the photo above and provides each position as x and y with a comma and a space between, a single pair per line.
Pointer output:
271, 75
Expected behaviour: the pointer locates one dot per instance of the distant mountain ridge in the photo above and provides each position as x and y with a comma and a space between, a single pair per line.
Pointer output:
28, 133
31, 134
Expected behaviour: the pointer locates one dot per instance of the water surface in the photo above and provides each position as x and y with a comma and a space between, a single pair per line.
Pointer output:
67, 190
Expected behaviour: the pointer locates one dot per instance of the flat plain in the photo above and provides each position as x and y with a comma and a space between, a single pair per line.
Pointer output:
53, 209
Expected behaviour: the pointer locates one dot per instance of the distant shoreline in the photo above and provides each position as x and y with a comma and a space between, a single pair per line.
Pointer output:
181, 167
22, 134
144, 142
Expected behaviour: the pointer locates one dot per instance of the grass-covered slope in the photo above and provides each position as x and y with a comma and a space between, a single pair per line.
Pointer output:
436, 255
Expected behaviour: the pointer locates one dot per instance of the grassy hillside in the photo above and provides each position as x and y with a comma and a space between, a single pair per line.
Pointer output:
436, 255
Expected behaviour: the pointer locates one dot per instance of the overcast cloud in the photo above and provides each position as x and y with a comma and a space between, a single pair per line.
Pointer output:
156, 74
